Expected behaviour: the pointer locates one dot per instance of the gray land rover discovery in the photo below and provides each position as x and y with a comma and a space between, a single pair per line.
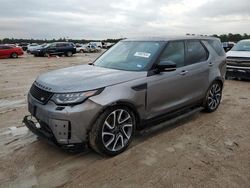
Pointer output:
135, 84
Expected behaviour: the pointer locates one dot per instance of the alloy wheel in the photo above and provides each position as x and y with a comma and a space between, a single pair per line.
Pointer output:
117, 130
214, 96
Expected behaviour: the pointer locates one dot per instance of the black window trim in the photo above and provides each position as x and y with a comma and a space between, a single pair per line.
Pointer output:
156, 61
186, 51
164, 48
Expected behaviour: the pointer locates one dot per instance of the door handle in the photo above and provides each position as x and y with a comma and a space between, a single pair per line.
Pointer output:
211, 64
184, 72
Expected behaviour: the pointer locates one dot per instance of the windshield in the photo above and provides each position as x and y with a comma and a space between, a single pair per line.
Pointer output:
129, 55
242, 46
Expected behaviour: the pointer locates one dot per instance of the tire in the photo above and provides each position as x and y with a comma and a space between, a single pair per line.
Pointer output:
213, 97
14, 55
46, 54
81, 51
69, 54
109, 137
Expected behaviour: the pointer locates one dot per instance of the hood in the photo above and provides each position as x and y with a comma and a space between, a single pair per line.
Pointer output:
238, 54
84, 78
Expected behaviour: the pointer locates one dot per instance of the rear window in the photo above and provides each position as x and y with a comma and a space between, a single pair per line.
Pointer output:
5, 47
217, 46
195, 52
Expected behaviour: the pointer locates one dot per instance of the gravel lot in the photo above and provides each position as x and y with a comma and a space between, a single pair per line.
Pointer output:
205, 150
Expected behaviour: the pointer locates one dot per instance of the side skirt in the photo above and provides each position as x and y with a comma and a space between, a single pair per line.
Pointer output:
168, 119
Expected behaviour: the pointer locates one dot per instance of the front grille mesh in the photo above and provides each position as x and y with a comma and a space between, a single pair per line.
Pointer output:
40, 94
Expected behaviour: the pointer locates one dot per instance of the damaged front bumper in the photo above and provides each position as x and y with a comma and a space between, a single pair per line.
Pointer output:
238, 72
43, 131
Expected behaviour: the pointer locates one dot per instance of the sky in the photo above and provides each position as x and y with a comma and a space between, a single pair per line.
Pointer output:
102, 19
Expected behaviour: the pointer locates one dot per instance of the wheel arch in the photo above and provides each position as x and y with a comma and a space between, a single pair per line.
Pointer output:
124, 103
218, 79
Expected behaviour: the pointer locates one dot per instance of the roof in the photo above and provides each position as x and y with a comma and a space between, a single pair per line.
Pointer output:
169, 38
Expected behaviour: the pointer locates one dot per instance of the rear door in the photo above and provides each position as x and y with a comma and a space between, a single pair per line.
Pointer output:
197, 70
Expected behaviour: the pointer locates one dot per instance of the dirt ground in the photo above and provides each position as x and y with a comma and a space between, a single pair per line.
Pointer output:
205, 150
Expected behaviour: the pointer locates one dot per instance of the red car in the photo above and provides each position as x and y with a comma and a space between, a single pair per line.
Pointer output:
10, 51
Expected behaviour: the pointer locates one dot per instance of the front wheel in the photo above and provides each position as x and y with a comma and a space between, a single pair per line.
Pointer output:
113, 131
69, 54
213, 97
46, 54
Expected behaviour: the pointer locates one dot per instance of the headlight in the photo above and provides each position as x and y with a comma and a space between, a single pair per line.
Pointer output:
73, 98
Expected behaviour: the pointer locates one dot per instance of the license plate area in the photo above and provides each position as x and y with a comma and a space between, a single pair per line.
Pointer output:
61, 130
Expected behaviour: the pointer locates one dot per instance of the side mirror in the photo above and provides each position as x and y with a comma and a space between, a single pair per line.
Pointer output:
166, 66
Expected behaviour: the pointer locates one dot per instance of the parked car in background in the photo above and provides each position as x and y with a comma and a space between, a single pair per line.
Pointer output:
31, 47
24, 46
135, 84
238, 60
97, 44
12, 51
108, 45
57, 48
81, 48
35, 48
88, 48
92, 48
228, 45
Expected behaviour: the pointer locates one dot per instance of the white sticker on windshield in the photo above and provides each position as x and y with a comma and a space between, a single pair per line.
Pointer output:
142, 54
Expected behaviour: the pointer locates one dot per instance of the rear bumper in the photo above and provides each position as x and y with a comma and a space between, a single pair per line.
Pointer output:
45, 133
238, 72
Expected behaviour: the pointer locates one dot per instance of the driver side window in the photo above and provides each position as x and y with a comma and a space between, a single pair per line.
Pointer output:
175, 52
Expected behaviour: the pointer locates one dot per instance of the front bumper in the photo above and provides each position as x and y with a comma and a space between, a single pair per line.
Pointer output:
44, 132
37, 53
63, 125
238, 72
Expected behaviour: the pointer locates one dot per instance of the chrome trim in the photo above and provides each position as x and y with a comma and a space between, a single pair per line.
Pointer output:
236, 67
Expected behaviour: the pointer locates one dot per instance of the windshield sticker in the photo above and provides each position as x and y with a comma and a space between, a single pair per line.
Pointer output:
142, 54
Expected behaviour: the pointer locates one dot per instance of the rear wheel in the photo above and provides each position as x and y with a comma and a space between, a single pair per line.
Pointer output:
113, 131
213, 97
14, 55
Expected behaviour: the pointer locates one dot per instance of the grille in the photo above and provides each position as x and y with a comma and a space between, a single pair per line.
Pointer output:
40, 94
243, 64
240, 59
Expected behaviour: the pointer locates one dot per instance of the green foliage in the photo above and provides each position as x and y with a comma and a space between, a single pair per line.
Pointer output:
232, 37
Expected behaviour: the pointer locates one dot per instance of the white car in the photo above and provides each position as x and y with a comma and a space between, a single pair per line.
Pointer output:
238, 60
81, 48
32, 47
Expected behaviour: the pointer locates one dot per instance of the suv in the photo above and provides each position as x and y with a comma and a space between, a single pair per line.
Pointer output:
57, 48
135, 84
238, 60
